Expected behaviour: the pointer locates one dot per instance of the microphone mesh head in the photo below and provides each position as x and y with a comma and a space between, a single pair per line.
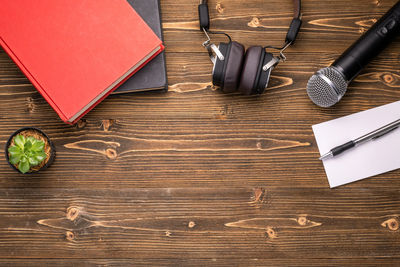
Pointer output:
326, 87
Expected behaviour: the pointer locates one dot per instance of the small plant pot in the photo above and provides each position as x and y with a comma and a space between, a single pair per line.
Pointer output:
28, 131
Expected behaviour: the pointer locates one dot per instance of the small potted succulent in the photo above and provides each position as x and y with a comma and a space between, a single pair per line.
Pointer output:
29, 150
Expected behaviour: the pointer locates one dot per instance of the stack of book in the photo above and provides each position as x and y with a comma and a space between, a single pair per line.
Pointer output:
78, 52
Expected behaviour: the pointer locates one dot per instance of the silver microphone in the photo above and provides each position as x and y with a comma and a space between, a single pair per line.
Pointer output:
327, 86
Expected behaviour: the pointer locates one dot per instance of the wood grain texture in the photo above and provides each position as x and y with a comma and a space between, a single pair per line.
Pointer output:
195, 177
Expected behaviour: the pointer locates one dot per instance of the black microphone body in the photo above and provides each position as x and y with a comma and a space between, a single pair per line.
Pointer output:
377, 38
328, 85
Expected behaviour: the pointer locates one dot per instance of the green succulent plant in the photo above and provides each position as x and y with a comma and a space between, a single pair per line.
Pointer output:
26, 152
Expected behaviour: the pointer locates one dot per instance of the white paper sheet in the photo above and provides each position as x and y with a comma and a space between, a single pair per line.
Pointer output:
369, 159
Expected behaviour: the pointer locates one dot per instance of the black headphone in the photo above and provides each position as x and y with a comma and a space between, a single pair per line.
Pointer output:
236, 70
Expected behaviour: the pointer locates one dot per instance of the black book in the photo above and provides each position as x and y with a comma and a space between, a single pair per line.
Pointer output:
153, 76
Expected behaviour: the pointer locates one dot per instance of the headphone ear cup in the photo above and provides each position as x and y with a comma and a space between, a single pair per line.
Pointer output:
233, 67
226, 73
252, 67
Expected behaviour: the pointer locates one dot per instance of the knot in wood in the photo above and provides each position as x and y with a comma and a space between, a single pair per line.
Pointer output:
106, 124
259, 145
69, 236
191, 224
388, 78
30, 105
392, 224
259, 195
81, 124
270, 233
254, 23
72, 213
302, 220
111, 153
219, 8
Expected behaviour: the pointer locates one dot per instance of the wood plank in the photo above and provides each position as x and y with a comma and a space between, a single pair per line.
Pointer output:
368, 262
182, 153
222, 223
191, 91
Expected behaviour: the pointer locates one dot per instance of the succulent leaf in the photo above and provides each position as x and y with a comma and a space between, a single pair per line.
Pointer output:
23, 165
14, 159
19, 140
37, 146
32, 139
27, 146
33, 161
13, 150
40, 156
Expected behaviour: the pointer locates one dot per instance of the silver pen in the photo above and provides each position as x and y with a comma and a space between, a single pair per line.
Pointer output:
365, 138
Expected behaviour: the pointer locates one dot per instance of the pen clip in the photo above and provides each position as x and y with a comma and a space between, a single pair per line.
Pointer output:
385, 132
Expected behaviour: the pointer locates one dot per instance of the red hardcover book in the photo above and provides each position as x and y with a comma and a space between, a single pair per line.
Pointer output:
76, 52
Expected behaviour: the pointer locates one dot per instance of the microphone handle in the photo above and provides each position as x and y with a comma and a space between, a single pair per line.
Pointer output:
357, 56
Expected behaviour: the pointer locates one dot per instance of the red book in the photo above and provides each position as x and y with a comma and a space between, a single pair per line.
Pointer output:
76, 52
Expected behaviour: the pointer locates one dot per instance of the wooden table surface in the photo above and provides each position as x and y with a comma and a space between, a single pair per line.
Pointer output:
196, 177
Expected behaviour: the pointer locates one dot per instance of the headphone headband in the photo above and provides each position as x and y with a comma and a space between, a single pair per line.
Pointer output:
204, 19
296, 4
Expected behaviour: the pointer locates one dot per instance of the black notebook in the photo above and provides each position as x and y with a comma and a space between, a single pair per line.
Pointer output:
153, 76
